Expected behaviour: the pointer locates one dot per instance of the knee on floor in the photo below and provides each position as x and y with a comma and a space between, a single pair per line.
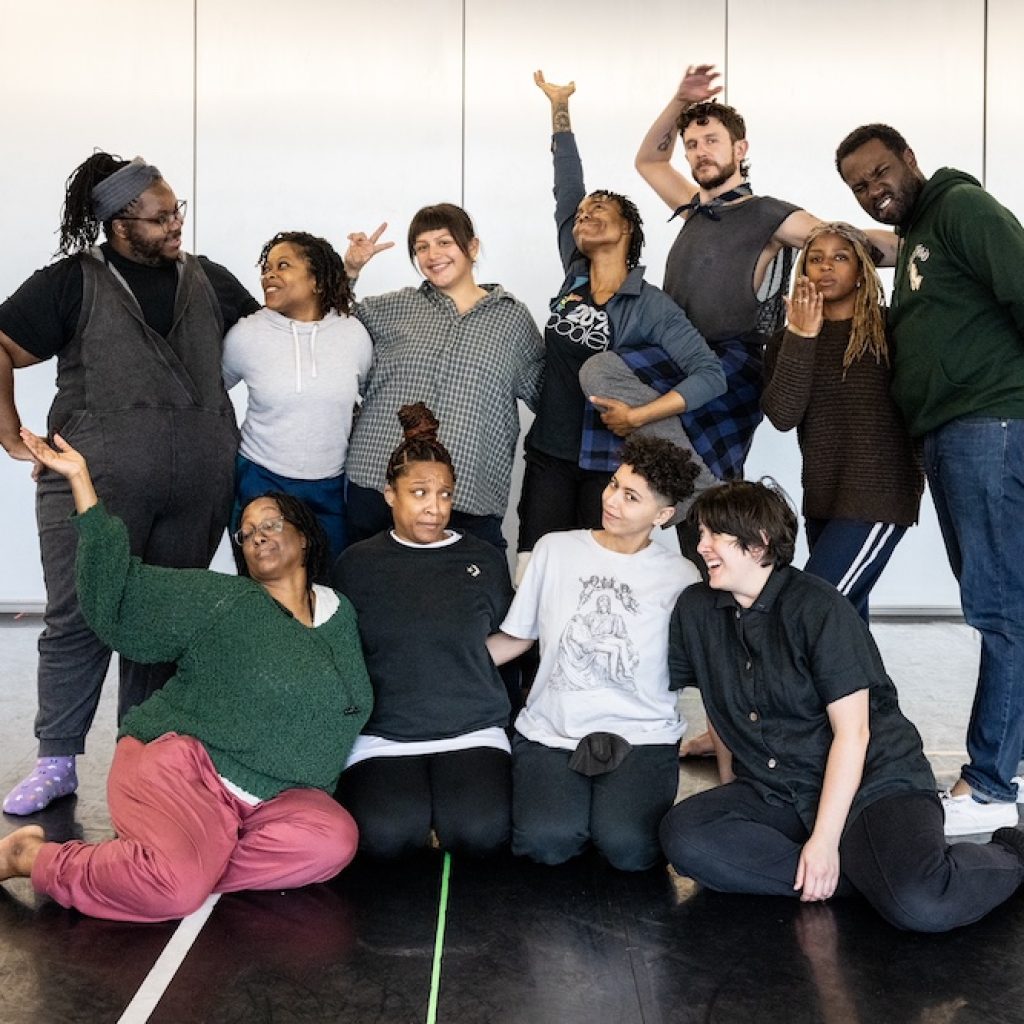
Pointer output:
547, 844
629, 851
479, 837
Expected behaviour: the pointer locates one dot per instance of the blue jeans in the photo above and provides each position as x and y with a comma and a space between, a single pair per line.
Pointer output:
975, 470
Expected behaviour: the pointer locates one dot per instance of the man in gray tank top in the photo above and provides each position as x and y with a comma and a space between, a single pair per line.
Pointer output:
729, 267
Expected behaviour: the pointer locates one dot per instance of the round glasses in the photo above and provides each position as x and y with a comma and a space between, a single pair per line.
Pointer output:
264, 529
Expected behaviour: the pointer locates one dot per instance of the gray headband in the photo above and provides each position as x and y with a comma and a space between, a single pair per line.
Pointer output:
122, 187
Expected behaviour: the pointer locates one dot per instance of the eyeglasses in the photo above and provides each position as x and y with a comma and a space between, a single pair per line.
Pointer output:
264, 529
165, 219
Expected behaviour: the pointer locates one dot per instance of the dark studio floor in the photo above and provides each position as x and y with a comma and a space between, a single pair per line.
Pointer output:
581, 943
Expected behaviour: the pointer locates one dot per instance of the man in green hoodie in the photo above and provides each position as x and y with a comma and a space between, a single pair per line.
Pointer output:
957, 320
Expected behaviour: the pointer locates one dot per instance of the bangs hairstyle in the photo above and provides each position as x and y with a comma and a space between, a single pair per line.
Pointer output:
332, 284
667, 469
758, 514
889, 137
299, 514
442, 217
632, 217
730, 117
867, 332
420, 444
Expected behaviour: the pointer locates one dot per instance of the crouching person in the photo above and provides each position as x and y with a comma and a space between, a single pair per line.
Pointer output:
826, 788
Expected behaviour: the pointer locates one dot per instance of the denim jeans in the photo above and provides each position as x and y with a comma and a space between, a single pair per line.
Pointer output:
975, 470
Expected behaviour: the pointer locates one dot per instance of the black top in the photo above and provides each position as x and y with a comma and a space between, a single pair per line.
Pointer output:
577, 329
767, 675
42, 315
424, 614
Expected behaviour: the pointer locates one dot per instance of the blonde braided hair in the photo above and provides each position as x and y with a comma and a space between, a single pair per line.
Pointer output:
867, 333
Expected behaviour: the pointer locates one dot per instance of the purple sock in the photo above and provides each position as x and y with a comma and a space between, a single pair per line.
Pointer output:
51, 778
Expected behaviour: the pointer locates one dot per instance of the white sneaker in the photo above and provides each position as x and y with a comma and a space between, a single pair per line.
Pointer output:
966, 816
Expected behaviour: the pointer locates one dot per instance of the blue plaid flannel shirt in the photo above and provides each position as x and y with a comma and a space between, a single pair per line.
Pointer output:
599, 447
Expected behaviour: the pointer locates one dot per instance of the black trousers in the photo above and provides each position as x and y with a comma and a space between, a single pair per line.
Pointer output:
557, 812
465, 796
893, 853
557, 495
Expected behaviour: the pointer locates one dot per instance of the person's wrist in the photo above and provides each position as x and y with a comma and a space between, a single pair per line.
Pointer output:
810, 335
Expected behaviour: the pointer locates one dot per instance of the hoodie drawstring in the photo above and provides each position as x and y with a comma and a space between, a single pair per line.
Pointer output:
296, 348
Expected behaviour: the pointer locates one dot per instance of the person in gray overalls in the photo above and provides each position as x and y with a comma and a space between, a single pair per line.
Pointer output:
137, 326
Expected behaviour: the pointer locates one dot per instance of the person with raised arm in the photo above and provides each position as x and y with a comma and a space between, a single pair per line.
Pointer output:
729, 266
608, 330
469, 351
222, 779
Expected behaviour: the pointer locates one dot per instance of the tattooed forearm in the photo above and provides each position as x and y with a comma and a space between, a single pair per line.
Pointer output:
560, 117
666, 142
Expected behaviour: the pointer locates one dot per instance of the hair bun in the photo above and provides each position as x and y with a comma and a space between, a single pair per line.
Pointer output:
418, 422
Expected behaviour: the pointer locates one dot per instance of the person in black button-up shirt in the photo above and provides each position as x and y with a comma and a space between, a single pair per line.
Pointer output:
826, 786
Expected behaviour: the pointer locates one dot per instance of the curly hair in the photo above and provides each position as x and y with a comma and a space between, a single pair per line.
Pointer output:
668, 469
79, 227
759, 514
632, 217
299, 514
867, 333
332, 284
420, 444
442, 217
888, 136
730, 117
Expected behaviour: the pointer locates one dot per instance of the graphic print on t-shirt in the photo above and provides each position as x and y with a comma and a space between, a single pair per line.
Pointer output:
595, 650
581, 323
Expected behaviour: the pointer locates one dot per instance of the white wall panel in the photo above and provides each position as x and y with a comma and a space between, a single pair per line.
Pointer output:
333, 117
1005, 117
326, 118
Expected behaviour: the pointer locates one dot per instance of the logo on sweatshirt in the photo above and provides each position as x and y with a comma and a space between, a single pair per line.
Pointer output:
473, 570
914, 275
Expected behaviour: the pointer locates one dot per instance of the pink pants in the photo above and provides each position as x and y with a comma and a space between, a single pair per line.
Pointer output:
182, 836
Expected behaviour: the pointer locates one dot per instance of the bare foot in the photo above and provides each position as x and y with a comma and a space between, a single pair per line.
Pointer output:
18, 851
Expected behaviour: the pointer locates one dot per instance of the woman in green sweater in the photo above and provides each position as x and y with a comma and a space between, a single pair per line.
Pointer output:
221, 781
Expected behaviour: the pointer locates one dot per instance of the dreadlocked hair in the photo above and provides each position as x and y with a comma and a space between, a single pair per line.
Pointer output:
632, 216
79, 227
299, 514
328, 270
867, 333
420, 427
